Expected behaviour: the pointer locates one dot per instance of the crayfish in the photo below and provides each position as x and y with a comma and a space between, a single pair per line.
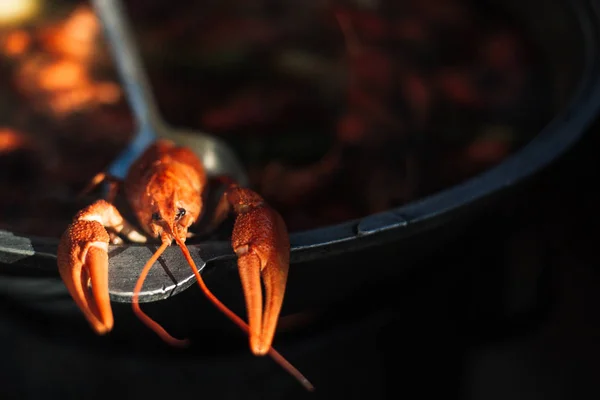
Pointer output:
164, 187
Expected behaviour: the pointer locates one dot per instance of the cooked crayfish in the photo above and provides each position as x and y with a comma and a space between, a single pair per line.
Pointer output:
164, 188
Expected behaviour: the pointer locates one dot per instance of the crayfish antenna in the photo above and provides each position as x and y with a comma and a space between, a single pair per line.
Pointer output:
274, 354
149, 322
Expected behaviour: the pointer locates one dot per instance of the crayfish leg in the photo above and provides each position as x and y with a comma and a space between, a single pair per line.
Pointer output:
114, 184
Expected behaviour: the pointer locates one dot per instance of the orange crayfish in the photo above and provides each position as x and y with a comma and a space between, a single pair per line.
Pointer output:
164, 187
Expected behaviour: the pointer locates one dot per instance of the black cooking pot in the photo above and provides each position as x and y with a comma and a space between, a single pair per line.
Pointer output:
334, 262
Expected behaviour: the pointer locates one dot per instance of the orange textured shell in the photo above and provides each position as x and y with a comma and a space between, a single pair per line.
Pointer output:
164, 178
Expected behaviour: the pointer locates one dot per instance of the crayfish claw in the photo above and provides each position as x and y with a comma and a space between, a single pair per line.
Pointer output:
261, 242
83, 262
83, 266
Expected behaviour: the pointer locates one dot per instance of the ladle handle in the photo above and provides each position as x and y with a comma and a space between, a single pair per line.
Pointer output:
129, 66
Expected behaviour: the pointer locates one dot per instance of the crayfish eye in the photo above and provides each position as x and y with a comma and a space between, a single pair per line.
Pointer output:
156, 217
180, 213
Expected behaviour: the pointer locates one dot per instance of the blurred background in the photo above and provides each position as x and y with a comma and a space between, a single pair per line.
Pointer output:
338, 110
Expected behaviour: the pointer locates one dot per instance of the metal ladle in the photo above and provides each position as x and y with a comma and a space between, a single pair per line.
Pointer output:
217, 157
126, 261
